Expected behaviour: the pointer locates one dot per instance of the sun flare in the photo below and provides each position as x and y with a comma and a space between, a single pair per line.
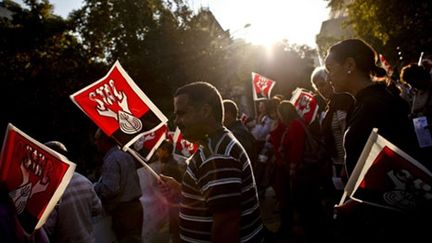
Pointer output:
275, 20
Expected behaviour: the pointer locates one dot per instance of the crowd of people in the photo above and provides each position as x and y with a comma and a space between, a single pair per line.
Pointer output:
216, 196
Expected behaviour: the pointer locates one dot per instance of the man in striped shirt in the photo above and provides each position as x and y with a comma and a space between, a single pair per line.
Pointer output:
219, 200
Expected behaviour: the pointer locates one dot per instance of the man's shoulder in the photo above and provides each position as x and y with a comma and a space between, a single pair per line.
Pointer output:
80, 179
118, 154
241, 131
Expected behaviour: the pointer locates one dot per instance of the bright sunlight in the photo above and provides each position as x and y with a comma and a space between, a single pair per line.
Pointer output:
272, 20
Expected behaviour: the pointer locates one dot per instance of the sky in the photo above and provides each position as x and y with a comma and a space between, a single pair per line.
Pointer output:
297, 21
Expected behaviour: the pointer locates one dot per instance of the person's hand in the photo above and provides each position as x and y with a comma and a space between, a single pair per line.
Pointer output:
259, 119
250, 124
169, 187
346, 209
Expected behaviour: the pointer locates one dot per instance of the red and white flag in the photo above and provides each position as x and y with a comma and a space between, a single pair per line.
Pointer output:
386, 176
261, 86
35, 176
119, 107
386, 65
244, 118
170, 136
148, 142
183, 147
305, 103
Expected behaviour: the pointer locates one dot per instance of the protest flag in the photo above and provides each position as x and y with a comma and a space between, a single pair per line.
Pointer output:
147, 143
387, 177
170, 136
262, 87
119, 107
244, 118
305, 104
35, 176
122, 111
386, 65
182, 147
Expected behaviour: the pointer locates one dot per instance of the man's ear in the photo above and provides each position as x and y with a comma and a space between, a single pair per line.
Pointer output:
206, 111
350, 64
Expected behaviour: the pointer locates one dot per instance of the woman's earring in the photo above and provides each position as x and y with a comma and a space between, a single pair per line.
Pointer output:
349, 72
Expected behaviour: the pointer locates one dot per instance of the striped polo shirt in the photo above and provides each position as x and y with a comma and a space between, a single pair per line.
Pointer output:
219, 176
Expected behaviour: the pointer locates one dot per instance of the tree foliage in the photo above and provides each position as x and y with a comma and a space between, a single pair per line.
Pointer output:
388, 25
395, 29
39, 70
162, 44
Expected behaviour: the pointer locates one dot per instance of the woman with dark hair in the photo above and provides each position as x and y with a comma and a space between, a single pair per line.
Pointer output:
287, 139
352, 68
299, 188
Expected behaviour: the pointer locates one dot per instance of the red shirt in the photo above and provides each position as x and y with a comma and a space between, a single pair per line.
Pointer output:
293, 143
275, 140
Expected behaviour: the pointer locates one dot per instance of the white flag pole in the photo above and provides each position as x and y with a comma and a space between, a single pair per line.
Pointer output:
142, 161
352, 180
254, 97
320, 59
420, 58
